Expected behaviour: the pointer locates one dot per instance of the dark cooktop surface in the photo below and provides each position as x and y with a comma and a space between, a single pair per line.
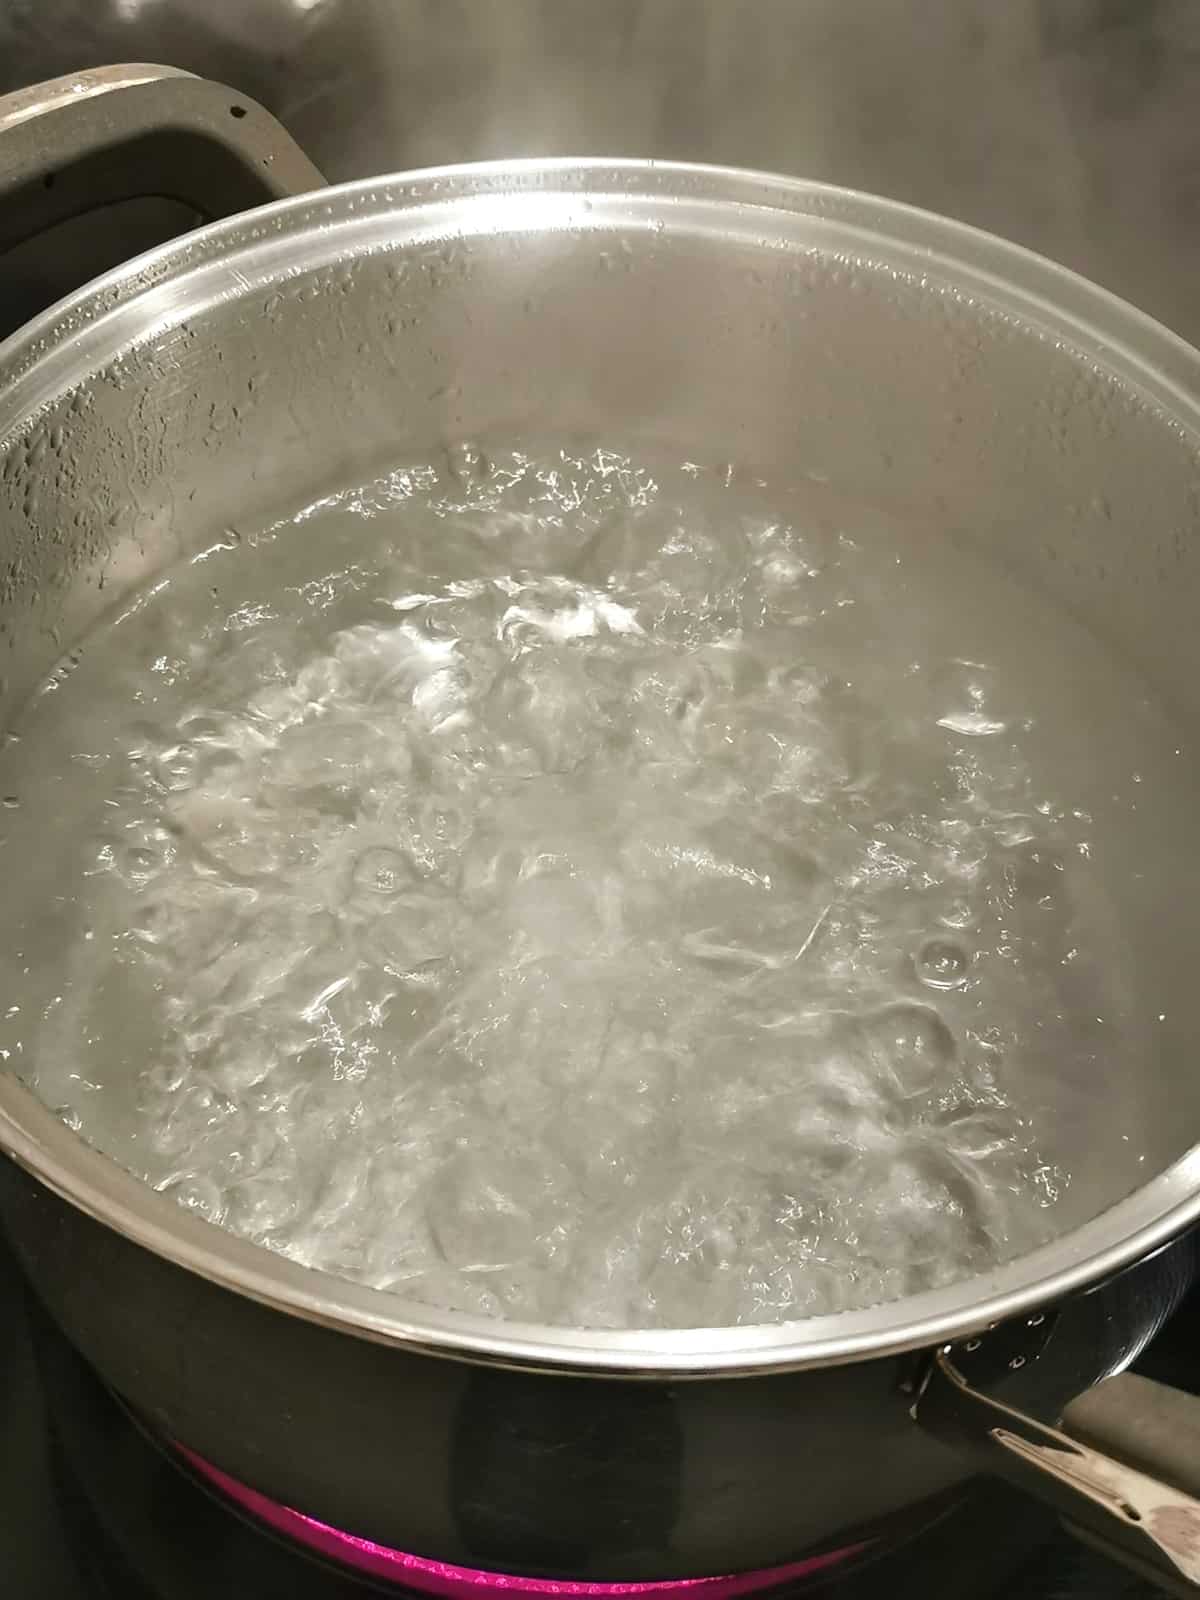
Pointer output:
90, 1509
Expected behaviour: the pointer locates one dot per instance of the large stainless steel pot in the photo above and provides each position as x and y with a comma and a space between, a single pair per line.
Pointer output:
927, 368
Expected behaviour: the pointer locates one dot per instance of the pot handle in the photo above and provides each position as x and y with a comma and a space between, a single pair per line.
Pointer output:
1126, 1478
128, 132
1152, 1427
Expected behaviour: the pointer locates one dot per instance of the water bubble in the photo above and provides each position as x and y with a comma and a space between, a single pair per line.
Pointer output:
177, 767
265, 1202
964, 693
492, 1208
973, 724
383, 871
942, 964
146, 847
152, 924
141, 861
467, 464
959, 914
195, 1193
913, 1044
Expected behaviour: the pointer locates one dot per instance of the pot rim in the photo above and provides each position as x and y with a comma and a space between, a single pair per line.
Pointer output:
135, 302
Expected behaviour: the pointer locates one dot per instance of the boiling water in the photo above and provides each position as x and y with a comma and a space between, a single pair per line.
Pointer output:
554, 888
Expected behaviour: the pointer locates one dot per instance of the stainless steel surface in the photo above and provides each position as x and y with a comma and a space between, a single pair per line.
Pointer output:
1068, 125
133, 132
1137, 1518
389, 293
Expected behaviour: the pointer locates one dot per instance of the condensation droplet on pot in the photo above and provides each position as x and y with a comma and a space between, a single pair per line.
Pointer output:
942, 964
10, 802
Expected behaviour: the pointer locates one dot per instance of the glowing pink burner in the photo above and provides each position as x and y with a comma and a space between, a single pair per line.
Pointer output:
449, 1582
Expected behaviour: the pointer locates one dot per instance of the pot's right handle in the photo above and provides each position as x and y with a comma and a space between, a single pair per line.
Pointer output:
1153, 1428
126, 132
1126, 1477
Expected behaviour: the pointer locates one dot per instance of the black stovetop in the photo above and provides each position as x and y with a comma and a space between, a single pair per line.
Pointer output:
90, 1509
